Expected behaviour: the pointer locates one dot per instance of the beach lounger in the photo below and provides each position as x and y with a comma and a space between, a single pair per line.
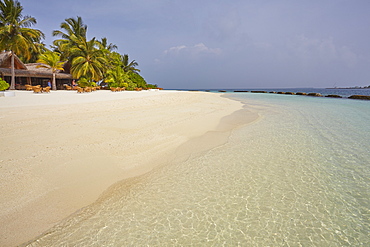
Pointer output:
37, 89
46, 89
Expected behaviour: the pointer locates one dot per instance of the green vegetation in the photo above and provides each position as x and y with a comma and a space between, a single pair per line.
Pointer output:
89, 61
51, 60
3, 85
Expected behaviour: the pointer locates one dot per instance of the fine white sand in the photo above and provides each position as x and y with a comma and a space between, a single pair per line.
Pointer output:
60, 151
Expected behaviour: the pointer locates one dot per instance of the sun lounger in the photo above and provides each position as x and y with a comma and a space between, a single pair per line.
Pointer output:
46, 89
37, 89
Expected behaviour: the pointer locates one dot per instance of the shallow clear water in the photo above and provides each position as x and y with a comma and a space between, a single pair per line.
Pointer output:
300, 176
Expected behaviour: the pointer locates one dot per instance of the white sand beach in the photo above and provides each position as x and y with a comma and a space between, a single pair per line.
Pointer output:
60, 151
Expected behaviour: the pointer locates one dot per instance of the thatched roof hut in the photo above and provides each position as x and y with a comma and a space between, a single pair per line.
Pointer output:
5, 61
29, 73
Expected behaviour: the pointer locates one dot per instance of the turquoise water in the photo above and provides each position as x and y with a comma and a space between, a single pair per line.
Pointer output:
300, 176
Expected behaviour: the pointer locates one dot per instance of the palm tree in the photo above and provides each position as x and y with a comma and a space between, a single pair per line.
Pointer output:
88, 61
129, 66
15, 34
51, 60
38, 49
74, 32
103, 44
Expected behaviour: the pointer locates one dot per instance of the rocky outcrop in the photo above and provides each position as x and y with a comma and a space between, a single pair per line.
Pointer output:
300, 93
259, 91
333, 96
364, 97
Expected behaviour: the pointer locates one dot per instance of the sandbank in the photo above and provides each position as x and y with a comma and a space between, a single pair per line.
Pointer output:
61, 151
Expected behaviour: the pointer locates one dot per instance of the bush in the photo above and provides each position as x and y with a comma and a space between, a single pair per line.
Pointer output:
131, 86
151, 86
83, 82
3, 85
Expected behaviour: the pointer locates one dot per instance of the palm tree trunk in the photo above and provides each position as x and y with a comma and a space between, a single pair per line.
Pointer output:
12, 83
54, 84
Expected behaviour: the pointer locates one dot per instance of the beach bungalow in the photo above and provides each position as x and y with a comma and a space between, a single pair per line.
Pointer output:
30, 74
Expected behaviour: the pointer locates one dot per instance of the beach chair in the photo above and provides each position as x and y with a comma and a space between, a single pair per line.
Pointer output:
46, 89
28, 87
87, 89
68, 87
79, 90
37, 89
113, 89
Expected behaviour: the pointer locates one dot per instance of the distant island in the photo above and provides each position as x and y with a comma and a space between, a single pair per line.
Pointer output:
356, 87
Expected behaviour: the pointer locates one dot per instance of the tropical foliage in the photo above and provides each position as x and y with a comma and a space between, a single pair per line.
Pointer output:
129, 66
15, 34
3, 85
52, 61
73, 32
89, 61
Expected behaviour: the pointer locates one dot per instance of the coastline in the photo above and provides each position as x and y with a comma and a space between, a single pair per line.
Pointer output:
64, 150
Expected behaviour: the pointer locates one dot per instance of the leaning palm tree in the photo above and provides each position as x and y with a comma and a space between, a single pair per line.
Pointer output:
15, 34
129, 66
51, 60
88, 61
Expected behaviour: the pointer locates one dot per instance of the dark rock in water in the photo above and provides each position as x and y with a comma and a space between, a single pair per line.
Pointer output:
291, 93
272, 92
281, 92
240, 91
259, 91
300, 93
222, 91
333, 96
364, 97
314, 94
208, 90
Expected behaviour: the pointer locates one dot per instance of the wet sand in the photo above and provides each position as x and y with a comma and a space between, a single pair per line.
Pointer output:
61, 151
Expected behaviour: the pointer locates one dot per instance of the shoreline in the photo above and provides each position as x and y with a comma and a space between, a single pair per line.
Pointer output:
70, 156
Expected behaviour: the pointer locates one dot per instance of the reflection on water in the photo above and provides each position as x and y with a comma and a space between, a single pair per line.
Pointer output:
298, 177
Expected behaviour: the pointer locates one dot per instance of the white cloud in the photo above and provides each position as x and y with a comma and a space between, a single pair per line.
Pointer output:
194, 51
175, 50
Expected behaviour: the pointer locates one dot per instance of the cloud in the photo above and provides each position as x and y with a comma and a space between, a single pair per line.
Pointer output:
194, 51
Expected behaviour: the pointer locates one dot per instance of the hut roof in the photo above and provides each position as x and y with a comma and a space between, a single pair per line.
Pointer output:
5, 61
34, 73
27, 70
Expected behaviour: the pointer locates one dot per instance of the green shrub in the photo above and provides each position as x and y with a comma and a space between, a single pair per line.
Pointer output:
83, 82
3, 85
151, 86
131, 86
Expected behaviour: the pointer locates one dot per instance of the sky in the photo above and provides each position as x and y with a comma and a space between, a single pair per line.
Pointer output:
227, 44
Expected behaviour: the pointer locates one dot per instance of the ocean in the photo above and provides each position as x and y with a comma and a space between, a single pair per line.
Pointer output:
343, 92
298, 176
